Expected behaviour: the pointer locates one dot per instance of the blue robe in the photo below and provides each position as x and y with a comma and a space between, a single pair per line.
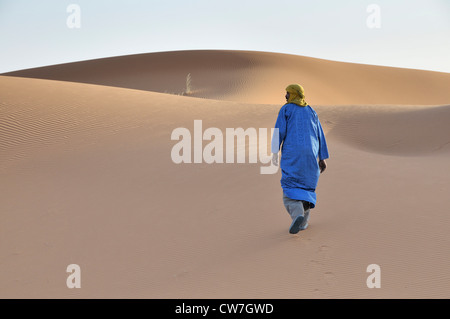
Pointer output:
302, 143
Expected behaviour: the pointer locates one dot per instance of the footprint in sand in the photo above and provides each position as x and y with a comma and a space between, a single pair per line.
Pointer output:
321, 256
324, 248
316, 262
317, 292
330, 278
324, 251
183, 273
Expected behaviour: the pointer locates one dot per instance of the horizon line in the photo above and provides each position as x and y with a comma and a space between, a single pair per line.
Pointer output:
230, 50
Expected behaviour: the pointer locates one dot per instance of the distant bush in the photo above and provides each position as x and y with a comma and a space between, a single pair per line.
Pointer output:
188, 85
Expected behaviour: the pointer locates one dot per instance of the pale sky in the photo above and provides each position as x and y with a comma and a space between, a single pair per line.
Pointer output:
411, 33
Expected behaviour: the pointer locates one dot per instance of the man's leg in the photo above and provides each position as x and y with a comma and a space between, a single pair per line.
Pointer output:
294, 207
307, 210
296, 210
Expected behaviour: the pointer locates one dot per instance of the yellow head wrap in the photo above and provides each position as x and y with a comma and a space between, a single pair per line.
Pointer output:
296, 94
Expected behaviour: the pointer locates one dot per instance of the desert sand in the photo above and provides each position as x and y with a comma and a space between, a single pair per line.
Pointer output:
86, 178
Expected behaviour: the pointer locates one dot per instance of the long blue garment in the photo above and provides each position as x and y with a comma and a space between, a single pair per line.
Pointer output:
302, 143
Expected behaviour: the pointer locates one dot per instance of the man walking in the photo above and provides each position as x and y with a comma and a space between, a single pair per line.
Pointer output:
303, 154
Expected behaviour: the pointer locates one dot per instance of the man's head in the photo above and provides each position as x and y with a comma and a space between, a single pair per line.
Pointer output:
295, 94
287, 96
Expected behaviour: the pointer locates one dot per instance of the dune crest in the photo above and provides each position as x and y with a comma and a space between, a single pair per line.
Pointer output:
255, 77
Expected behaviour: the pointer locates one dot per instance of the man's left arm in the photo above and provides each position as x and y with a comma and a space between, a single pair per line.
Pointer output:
323, 149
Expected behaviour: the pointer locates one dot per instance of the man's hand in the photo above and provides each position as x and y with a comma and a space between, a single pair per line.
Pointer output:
322, 165
275, 159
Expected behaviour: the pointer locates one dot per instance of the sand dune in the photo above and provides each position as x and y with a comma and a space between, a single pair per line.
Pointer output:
87, 178
390, 129
256, 77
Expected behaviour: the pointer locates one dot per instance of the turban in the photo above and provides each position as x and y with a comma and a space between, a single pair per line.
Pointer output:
296, 95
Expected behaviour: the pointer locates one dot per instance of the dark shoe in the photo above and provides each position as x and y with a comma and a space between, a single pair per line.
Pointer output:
295, 226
